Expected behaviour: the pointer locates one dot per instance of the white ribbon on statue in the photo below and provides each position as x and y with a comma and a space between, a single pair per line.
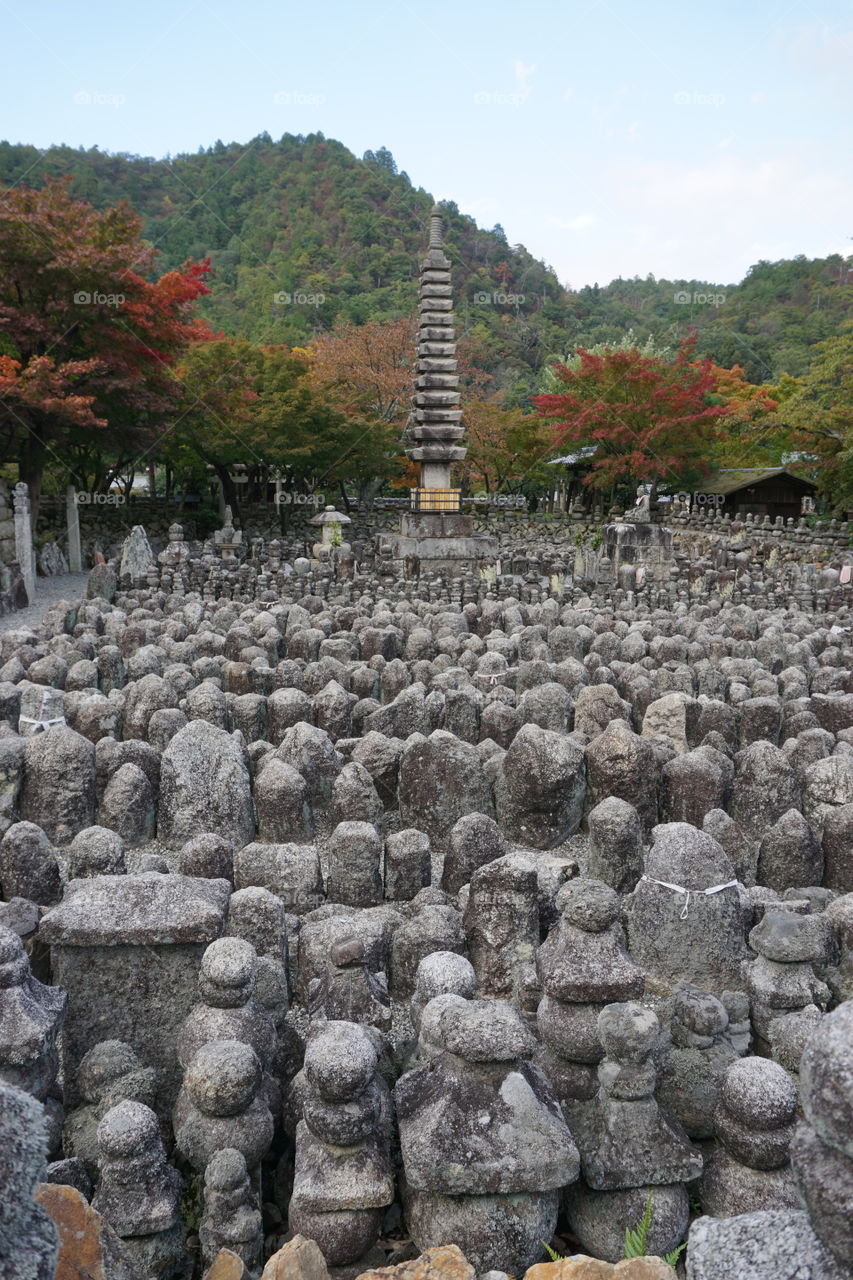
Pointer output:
494, 677
679, 888
44, 724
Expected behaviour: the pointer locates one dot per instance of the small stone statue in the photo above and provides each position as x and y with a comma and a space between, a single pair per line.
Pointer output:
441, 973
782, 981
228, 540
29, 1244
754, 1122
176, 551
822, 1147
343, 1180
139, 1191
227, 1010
693, 1067
221, 1105
31, 1015
582, 967
629, 1147
348, 991
108, 1074
501, 924
484, 1143
231, 1218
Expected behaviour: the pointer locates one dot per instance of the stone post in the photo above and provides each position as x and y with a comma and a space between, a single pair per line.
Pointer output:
24, 539
72, 515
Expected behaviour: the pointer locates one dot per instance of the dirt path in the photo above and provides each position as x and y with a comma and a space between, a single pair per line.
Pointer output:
66, 586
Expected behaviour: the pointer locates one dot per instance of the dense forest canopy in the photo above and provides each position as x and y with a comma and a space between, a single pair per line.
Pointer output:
301, 233
267, 292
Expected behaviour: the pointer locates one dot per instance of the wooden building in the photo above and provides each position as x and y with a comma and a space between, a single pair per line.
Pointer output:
762, 492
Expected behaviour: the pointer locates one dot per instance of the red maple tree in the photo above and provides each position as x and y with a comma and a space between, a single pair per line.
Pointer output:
89, 339
649, 419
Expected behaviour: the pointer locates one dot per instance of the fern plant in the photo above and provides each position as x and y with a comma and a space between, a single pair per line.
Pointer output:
637, 1238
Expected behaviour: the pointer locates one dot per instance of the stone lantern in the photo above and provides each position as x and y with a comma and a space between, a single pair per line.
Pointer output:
331, 524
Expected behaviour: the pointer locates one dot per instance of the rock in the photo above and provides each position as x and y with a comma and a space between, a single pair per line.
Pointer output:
29, 1241
89, 1249
620, 763
495, 1229
502, 928
790, 854
28, 866
540, 788
828, 784
445, 1262
615, 844
408, 864
474, 841
599, 1219
137, 558
700, 939
204, 786
826, 1079
227, 1266
596, 707
290, 871
695, 784
765, 788
58, 792
775, 1244
441, 779
102, 583
310, 751
355, 855
581, 1267
128, 805
838, 849
667, 718
299, 1259
11, 776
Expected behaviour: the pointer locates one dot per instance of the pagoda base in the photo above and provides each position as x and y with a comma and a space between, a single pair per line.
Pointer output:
438, 543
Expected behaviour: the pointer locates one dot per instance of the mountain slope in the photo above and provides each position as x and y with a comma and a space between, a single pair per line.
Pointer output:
300, 232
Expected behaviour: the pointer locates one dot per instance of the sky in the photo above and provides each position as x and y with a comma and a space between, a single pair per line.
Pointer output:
615, 138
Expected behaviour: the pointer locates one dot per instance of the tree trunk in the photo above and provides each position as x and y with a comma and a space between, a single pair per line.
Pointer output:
229, 489
31, 461
152, 478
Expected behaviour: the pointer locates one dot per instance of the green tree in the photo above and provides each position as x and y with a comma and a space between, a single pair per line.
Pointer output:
821, 412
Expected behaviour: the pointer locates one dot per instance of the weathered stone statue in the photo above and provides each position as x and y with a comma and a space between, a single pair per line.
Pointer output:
630, 1149
231, 1218
31, 1016
138, 1192
29, 1242
485, 1147
750, 1170
582, 967
343, 1180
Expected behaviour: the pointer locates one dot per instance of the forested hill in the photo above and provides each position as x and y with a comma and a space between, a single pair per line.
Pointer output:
300, 232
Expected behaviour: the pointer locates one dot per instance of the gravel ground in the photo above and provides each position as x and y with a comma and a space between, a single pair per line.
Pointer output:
66, 586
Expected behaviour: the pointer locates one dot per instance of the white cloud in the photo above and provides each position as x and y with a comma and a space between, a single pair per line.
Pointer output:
580, 223
710, 220
522, 75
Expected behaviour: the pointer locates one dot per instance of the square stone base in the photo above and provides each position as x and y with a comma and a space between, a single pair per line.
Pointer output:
433, 544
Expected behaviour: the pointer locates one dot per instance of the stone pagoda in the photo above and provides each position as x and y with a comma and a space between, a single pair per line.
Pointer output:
434, 534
